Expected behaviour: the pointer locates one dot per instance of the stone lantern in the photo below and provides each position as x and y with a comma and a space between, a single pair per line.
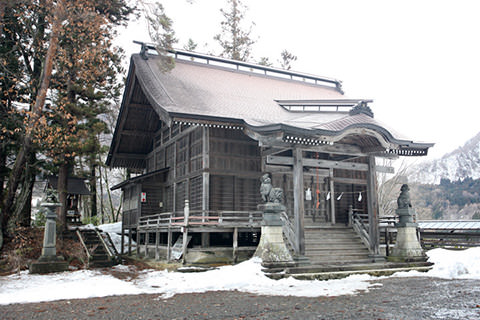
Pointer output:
49, 261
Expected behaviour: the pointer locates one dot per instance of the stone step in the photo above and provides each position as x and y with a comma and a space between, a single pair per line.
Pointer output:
335, 249
326, 235
335, 259
320, 247
100, 263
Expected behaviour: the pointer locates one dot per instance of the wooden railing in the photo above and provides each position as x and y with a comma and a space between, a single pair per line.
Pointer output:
202, 218
359, 222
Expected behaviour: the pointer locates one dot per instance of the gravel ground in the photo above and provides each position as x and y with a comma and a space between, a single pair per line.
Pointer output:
397, 298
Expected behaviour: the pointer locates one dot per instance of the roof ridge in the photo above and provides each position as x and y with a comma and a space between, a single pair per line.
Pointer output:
246, 66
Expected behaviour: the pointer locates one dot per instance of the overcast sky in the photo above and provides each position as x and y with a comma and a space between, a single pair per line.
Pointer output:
417, 59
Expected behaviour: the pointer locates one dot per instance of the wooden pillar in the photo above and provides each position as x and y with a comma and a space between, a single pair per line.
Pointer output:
206, 181
332, 198
157, 245
130, 242
298, 203
122, 241
186, 214
235, 245
146, 244
169, 244
372, 206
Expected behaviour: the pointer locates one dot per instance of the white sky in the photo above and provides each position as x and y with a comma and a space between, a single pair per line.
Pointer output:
418, 60
243, 277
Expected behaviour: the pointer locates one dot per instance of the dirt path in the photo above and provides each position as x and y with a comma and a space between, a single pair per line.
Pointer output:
397, 298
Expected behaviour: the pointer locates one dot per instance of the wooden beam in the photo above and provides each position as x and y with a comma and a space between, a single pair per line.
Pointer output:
145, 134
319, 163
350, 181
298, 202
134, 156
373, 208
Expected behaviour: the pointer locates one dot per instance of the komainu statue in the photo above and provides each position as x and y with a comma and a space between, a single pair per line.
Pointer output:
403, 200
268, 192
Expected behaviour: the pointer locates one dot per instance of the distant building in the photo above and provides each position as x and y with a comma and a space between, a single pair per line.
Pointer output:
76, 189
207, 130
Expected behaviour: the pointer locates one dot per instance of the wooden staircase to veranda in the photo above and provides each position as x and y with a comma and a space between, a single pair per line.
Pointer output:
334, 245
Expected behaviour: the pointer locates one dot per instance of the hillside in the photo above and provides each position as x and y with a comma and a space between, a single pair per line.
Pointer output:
448, 188
464, 162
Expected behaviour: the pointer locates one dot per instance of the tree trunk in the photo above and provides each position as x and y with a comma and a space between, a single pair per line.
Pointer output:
62, 188
26, 149
23, 207
93, 189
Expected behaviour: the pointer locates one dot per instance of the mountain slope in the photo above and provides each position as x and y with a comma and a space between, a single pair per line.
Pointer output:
462, 163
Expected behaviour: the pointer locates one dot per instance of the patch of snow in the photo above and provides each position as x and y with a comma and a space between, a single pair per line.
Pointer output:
245, 277
111, 227
115, 232
450, 264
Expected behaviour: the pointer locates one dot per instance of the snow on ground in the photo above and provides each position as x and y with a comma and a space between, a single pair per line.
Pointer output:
245, 277
115, 232
451, 264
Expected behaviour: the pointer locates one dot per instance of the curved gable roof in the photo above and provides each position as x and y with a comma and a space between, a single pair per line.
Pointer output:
203, 89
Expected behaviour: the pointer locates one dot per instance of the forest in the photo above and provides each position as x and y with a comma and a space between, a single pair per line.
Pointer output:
450, 199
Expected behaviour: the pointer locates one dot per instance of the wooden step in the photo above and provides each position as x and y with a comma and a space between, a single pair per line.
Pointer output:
337, 244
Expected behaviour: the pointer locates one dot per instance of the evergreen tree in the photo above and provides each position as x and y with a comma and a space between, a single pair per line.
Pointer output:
39, 28
234, 40
286, 59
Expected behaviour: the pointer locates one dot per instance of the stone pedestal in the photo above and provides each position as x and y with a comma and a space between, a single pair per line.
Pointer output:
407, 247
272, 249
49, 261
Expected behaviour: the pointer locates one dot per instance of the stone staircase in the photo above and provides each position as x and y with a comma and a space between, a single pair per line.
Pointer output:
334, 245
100, 253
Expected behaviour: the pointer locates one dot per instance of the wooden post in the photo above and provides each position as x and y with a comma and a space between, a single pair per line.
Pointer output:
157, 245
332, 198
186, 214
298, 203
206, 181
122, 241
146, 244
235, 245
169, 244
130, 242
372, 206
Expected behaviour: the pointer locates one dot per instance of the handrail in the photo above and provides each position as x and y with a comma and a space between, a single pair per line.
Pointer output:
107, 248
83, 244
360, 228
289, 231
